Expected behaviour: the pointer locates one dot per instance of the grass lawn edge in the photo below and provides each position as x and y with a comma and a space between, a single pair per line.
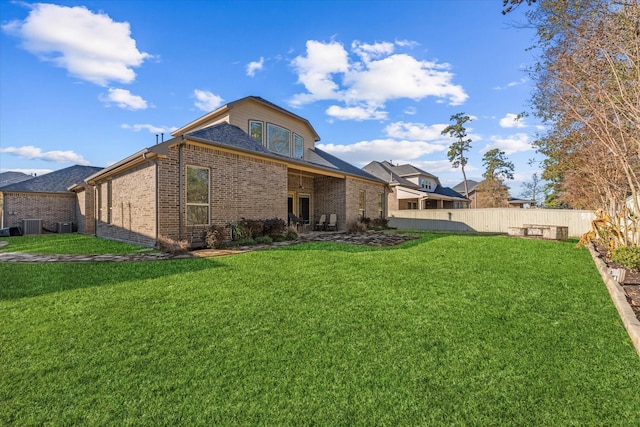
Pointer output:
619, 298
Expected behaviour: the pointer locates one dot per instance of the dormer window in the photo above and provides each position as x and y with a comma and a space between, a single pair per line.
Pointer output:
425, 183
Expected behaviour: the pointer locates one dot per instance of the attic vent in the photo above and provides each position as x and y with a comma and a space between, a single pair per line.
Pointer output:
32, 226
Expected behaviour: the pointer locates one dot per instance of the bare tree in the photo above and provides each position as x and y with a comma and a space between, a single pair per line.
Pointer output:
588, 93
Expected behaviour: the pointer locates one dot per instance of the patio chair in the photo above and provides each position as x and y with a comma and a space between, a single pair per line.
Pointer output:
295, 221
322, 222
332, 222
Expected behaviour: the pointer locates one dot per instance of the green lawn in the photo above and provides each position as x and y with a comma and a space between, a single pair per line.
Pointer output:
445, 330
67, 244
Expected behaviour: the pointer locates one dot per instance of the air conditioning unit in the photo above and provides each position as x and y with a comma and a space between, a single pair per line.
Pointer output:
64, 227
32, 226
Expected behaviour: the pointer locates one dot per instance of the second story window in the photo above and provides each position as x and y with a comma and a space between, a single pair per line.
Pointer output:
298, 146
256, 130
279, 140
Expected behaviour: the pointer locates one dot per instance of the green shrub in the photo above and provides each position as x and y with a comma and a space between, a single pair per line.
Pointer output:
357, 227
274, 227
629, 256
247, 241
380, 223
291, 235
263, 240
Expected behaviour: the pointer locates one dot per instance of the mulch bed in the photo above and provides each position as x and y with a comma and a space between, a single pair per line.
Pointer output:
630, 282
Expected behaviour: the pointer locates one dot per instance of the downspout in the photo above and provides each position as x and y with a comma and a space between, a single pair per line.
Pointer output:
180, 191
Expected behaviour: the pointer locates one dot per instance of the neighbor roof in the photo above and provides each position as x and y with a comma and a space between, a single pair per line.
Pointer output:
54, 182
471, 184
385, 171
11, 177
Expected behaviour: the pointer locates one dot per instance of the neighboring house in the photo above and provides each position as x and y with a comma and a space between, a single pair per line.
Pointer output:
521, 203
45, 197
413, 188
247, 159
473, 196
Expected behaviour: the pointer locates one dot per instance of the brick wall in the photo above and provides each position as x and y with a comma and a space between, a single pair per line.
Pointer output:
330, 198
240, 187
49, 207
353, 188
131, 216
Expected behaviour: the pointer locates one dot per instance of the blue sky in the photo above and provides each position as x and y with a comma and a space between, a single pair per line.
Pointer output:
92, 82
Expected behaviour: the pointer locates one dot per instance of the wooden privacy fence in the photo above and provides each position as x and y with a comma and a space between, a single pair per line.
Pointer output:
495, 220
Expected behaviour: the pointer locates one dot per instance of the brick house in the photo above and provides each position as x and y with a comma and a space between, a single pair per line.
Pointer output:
248, 159
413, 188
45, 197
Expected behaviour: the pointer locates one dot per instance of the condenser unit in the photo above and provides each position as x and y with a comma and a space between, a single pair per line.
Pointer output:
63, 227
32, 226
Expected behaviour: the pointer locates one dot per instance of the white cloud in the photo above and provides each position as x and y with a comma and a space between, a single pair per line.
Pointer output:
358, 113
410, 111
148, 127
328, 73
363, 152
522, 81
315, 71
90, 46
368, 51
207, 101
415, 131
124, 99
516, 143
34, 172
254, 66
512, 120
31, 152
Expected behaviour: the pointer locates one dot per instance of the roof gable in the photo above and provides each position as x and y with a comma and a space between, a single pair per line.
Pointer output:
225, 110
385, 172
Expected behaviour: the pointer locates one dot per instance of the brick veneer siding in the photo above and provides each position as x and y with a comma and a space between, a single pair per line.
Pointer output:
49, 207
133, 206
240, 187
393, 204
372, 190
330, 196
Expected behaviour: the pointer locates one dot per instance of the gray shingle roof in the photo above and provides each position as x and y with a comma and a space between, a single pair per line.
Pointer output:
384, 171
54, 182
233, 136
470, 183
11, 177
446, 191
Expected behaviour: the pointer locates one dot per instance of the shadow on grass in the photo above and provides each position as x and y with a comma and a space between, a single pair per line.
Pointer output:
421, 237
20, 280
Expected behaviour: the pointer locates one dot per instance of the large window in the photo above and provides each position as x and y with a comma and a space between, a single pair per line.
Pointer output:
279, 140
197, 195
256, 130
381, 205
361, 203
425, 183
